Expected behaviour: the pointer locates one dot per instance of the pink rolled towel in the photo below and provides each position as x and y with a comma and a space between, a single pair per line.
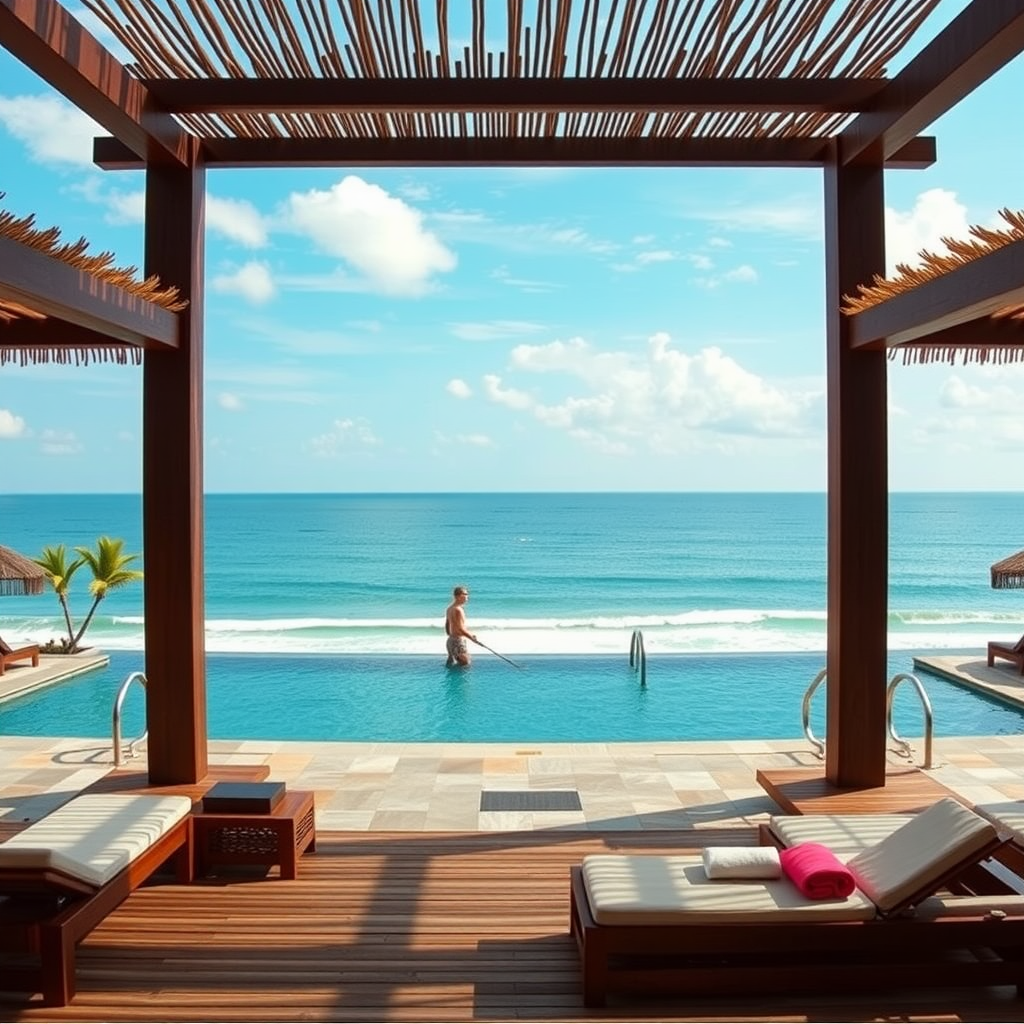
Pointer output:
817, 872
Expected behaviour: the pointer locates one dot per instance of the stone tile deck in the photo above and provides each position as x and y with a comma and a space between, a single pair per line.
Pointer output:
436, 787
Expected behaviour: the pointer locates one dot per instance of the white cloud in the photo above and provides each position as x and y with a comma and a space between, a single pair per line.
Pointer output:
467, 440
493, 330
236, 219
252, 281
458, 388
936, 213
532, 286
699, 261
59, 442
346, 435
655, 256
11, 425
797, 216
53, 131
663, 399
743, 274
481, 229
508, 397
377, 234
988, 398
230, 402
125, 207
285, 335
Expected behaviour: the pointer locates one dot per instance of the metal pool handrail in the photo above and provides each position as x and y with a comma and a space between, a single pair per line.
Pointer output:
806, 711
905, 748
638, 655
118, 759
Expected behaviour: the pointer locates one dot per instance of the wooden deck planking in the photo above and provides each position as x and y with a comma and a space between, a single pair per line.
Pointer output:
807, 791
408, 927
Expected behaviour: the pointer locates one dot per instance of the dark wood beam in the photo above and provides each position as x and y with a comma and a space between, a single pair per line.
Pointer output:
974, 290
53, 44
54, 333
985, 332
858, 487
977, 43
57, 289
408, 95
172, 488
501, 152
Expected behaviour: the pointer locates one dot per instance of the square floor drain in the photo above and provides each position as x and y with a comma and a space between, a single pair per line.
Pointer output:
531, 800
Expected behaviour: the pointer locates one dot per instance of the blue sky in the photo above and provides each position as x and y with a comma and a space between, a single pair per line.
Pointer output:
455, 329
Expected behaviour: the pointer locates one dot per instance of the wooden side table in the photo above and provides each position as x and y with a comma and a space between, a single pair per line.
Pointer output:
263, 840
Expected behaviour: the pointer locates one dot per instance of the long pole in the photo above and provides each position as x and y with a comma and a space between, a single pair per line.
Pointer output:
502, 656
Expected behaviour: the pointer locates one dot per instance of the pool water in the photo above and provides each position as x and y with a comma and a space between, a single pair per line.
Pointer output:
553, 698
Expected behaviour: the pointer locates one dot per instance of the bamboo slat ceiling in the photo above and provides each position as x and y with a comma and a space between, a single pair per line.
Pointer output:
416, 40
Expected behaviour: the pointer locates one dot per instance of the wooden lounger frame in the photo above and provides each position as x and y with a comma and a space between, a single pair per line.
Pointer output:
1008, 652
823, 956
8, 656
48, 913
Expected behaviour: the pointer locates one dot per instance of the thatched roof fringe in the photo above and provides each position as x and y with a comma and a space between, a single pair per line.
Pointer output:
980, 354
122, 354
961, 251
47, 241
1008, 582
1008, 573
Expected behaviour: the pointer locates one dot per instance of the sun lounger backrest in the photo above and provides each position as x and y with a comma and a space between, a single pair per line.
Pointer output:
93, 837
918, 858
845, 835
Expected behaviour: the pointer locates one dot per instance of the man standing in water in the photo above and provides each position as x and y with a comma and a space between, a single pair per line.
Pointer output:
456, 629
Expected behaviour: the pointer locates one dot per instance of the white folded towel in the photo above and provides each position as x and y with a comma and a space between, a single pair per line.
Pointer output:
742, 862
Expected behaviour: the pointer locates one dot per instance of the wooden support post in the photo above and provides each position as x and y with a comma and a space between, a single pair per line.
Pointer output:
858, 528
173, 485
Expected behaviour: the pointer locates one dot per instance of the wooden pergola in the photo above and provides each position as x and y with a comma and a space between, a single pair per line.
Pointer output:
680, 83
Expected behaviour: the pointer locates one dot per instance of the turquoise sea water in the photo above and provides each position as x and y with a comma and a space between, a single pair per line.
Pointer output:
549, 573
324, 612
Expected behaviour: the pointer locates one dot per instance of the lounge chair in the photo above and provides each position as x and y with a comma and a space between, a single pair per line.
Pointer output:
657, 923
9, 655
64, 874
1008, 652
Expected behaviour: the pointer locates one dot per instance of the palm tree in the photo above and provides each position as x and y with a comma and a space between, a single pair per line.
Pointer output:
109, 572
54, 562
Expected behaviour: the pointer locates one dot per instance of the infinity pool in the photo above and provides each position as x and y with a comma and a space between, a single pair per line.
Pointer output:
555, 698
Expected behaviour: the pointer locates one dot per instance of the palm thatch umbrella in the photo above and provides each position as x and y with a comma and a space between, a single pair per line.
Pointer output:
19, 575
1008, 574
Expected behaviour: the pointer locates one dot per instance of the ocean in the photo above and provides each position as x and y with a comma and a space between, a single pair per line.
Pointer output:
548, 573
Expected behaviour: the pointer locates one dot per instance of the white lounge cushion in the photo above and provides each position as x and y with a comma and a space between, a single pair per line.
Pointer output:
93, 837
920, 853
845, 835
671, 890
1007, 815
